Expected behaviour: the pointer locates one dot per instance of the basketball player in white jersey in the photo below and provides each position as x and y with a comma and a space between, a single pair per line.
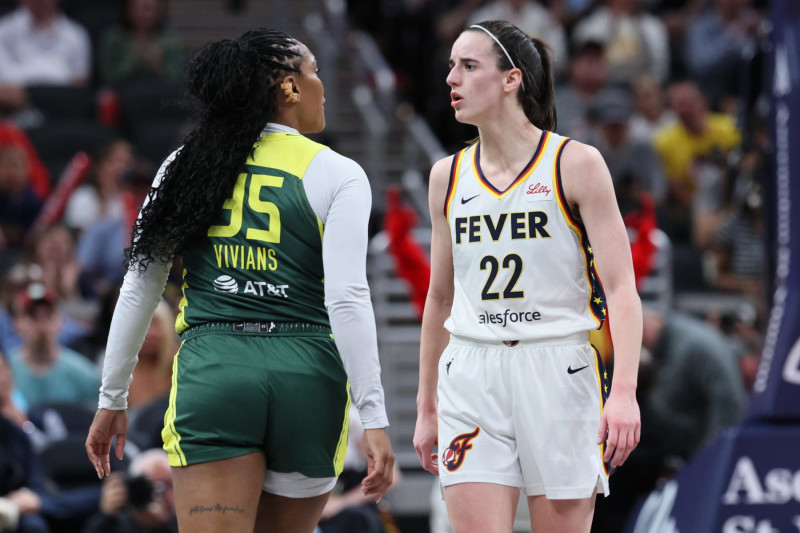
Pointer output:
525, 227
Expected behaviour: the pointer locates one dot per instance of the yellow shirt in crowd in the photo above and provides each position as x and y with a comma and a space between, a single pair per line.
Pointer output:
679, 148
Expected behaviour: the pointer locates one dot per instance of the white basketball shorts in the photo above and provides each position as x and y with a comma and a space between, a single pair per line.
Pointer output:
524, 415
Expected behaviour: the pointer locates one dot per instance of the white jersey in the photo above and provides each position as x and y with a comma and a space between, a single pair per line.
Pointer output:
523, 264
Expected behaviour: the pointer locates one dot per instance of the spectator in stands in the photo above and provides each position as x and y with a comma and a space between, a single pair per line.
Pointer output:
12, 404
452, 17
18, 277
43, 370
28, 495
54, 251
625, 156
635, 41
693, 152
153, 372
739, 253
140, 47
534, 19
21, 482
19, 204
101, 248
142, 502
571, 11
12, 135
715, 42
650, 108
100, 197
587, 76
699, 389
676, 15
40, 46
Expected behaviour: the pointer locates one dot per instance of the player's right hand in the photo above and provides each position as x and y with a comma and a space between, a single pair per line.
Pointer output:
425, 440
106, 425
380, 463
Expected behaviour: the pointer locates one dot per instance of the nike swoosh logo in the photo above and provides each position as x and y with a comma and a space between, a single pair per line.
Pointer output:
571, 371
463, 200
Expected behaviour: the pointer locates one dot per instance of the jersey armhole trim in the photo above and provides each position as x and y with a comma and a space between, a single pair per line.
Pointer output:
455, 170
562, 197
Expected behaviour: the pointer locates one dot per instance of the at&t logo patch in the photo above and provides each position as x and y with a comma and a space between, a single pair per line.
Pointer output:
453, 456
226, 284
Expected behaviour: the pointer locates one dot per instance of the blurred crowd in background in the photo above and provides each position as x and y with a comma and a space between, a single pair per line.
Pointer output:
671, 92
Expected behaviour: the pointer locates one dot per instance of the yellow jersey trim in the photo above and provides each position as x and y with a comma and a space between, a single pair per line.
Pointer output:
455, 170
180, 321
341, 447
600, 387
541, 149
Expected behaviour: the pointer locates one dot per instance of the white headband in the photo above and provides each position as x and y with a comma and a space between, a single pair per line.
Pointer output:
503, 48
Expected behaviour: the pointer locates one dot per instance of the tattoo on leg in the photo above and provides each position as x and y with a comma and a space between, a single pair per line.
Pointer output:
215, 508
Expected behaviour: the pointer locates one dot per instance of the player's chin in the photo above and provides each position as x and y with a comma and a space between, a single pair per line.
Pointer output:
463, 118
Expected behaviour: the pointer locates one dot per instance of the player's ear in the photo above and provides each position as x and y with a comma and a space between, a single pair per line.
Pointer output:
289, 89
513, 79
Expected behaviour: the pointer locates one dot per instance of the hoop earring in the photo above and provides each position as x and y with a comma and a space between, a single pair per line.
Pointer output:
288, 89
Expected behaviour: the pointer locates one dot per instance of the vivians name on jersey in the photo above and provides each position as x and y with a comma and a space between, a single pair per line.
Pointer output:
245, 257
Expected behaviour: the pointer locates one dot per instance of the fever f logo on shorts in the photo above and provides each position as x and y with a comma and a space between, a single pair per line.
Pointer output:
455, 453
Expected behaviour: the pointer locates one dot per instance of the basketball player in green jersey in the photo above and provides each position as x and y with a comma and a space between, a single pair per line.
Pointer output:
276, 323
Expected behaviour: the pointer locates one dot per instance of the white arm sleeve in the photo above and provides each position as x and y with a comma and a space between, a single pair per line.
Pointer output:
138, 298
339, 193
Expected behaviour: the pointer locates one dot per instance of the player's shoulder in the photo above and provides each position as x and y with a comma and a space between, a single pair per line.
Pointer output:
163, 168
336, 163
444, 163
441, 169
578, 155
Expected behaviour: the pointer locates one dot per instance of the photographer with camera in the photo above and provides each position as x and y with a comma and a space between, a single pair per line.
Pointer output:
140, 501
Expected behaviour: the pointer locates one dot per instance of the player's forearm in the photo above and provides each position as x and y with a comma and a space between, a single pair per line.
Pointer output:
626, 334
353, 324
138, 298
433, 341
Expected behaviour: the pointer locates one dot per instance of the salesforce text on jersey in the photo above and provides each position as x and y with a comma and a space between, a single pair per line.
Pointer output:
508, 316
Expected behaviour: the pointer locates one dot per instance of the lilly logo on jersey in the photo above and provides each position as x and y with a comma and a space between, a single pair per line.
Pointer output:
227, 284
454, 455
537, 192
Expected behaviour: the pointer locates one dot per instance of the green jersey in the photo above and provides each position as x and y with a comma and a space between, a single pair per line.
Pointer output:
262, 258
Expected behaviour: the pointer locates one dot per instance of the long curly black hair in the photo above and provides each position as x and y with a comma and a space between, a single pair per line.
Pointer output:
232, 84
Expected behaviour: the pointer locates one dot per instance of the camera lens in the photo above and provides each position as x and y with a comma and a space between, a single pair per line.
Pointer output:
140, 492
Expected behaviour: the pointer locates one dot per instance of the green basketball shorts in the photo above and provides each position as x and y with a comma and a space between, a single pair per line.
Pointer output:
280, 389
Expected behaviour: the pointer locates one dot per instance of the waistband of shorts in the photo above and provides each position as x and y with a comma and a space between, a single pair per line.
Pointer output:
576, 338
266, 329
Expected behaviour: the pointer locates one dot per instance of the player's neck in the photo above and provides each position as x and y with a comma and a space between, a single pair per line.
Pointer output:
505, 143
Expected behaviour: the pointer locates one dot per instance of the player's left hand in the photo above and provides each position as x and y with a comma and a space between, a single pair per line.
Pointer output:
380, 463
620, 426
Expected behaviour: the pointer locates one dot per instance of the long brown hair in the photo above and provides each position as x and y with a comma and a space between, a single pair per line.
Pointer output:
532, 56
